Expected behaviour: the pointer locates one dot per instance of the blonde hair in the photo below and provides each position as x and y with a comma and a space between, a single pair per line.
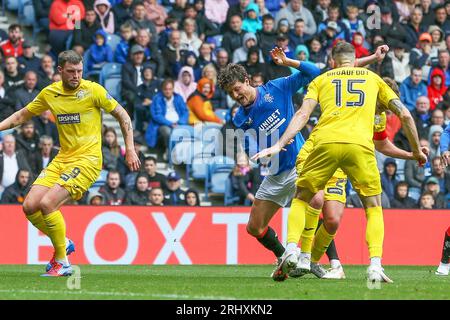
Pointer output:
211, 67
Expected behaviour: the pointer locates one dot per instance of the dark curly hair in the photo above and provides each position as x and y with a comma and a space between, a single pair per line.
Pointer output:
231, 74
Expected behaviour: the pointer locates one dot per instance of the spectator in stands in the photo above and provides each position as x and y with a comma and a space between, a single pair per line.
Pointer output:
219, 99
400, 61
266, 37
328, 35
7, 101
89, 25
204, 27
320, 11
441, 175
11, 161
421, 116
401, 199
132, 76
295, 10
316, 54
13, 75
415, 174
244, 180
111, 150
353, 23
273, 70
389, 178
426, 201
341, 30
99, 52
432, 186
358, 43
167, 110
95, 199
297, 35
188, 36
283, 26
151, 53
384, 67
27, 139
41, 10
216, 11
353, 201
437, 118
177, 11
113, 195
173, 195
123, 47
437, 40
240, 54
155, 179
173, 52
129, 176
437, 88
191, 198
428, 14
222, 59
28, 61
44, 155
155, 13
105, 15
139, 195
420, 56
233, 39
206, 55
412, 88
237, 9
16, 193
144, 97
64, 15
13, 46
123, 11
45, 127
434, 138
185, 85
441, 18
199, 103
46, 71
28, 91
443, 64
391, 30
139, 21
156, 197
257, 80
414, 28
251, 22
252, 64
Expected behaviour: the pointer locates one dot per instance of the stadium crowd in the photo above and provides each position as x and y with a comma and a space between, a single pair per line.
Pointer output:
171, 53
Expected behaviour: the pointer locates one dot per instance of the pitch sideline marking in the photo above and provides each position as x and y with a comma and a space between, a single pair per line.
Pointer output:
130, 294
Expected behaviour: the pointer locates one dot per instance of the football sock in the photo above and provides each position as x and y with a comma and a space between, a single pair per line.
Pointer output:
291, 246
269, 239
311, 221
375, 261
305, 255
375, 231
446, 249
335, 263
296, 220
57, 233
37, 220
332, 252
320, 244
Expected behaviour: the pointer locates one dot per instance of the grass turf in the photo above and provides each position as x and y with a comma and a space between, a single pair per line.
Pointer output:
217, 283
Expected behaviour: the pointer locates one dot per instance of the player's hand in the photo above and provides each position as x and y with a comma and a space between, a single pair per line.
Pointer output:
278, 56
381, 52
445, 158
268, 152
132, 160
420, 157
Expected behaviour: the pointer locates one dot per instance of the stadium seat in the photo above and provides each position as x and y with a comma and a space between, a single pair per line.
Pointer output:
86, 73
12, 5
26, 14
110, 69
113, 85
229, 198
199, 164
101, 180
221, 113
179, 134
401, 168
414, 193
219, 167
113, 40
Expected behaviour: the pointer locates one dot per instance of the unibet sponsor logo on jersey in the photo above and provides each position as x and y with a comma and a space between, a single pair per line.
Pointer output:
272, 123
69, 118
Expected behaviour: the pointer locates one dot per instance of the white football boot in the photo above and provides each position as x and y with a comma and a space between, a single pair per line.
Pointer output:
376, 274
443, 269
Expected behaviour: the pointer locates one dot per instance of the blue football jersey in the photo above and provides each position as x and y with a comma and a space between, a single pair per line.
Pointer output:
271, 113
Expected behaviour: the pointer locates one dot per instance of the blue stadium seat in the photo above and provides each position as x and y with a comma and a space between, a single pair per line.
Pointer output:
229, 198
180, 134
199, 165
12, 5
414, 193
113, 40
110, 70
101, 180
219, 168
86, 73
221, 113
401, 168
113, 85
26, 15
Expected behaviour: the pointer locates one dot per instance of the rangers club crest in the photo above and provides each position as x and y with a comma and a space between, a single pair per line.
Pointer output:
268, 98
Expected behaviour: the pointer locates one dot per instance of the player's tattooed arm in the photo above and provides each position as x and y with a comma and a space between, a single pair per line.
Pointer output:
126, 127
409, 127
16, 119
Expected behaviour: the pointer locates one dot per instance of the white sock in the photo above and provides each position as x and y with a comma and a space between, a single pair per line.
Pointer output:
305, 255
64, 261
335, 263
291, 247
444, 265
375, 261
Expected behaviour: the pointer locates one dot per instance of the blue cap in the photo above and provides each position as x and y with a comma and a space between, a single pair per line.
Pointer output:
173, 176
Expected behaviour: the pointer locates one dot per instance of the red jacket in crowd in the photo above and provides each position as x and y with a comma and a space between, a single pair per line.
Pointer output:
9, 50
436, 94
64, 13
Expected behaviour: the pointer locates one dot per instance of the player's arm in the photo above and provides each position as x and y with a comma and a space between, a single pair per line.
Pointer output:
409, 127
124, 120
387, 148
297, 123
379, 55
445, 140
16, 119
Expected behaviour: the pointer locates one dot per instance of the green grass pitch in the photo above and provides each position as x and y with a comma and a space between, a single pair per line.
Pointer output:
216, 283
